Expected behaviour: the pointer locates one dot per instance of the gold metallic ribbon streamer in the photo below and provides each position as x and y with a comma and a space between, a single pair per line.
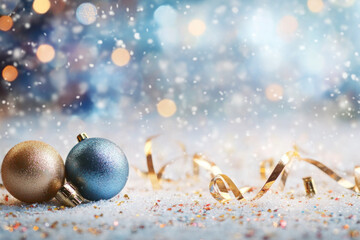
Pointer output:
201, 161
221, 185
154, 177
264, 166
198, 161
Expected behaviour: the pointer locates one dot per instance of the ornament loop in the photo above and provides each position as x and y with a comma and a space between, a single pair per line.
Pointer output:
81, 136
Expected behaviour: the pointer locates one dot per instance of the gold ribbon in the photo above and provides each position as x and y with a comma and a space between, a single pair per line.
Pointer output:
198, 160
222, 188
156, 178
221, 185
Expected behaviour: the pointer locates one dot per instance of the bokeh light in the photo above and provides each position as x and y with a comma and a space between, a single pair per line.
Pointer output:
166, 108
182, 51
9, 73
343, 3
120, 57
315, 5
45, 53
287, 26
6, 23
86, 13
8, 6
261, 28
274, 92
165, 15
41, 6
197, 27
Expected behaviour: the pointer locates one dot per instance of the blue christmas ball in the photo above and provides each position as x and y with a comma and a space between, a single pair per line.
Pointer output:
98, 168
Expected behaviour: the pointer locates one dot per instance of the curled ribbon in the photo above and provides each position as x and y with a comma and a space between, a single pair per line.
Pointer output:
198, 160
156, 178
221, 185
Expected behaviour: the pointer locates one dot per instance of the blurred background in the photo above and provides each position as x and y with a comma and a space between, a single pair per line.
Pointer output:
237, 79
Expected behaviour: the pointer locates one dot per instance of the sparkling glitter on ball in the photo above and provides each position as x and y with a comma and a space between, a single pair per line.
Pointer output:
98, 168
86, 13
33, 171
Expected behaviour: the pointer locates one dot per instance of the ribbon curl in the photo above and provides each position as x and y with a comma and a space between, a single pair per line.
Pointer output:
221, 185
223, 189
156, 179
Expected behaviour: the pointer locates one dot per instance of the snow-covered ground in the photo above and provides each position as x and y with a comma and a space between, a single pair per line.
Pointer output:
186, 210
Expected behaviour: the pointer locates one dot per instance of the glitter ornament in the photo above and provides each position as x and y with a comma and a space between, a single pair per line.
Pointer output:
97, 167
33, 171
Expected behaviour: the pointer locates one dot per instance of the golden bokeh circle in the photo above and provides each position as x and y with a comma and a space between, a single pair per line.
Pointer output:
197, 27
166, 108
274, 92
6, 23
120, 57
45, 53
287, 26
41, 6
9, 73
315, 5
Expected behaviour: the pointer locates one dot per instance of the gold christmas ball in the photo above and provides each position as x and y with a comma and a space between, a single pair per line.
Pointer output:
33, 171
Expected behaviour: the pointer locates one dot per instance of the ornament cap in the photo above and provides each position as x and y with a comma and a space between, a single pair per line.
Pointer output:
82, 136
69, 195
